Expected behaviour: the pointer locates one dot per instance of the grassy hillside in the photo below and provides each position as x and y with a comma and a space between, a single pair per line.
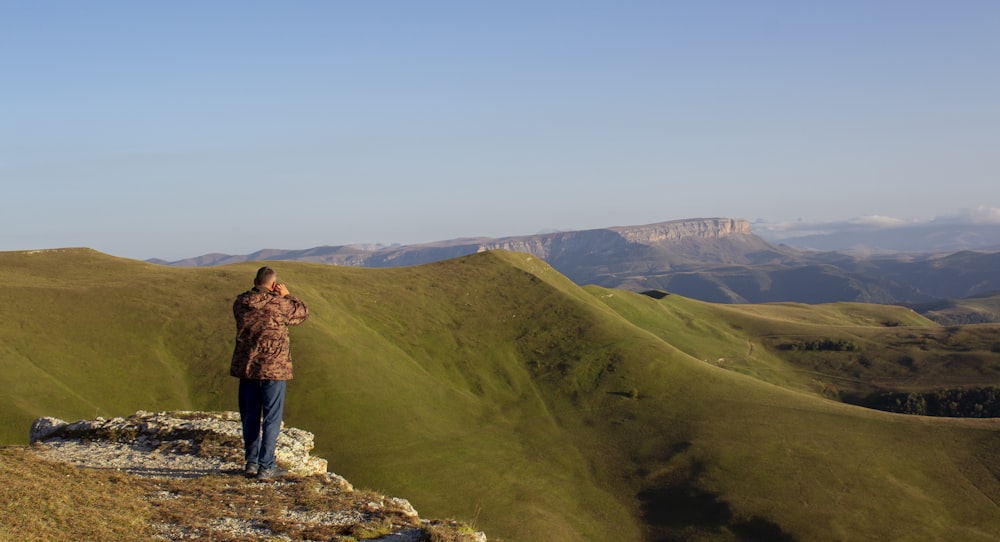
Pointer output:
970, 310
492, 389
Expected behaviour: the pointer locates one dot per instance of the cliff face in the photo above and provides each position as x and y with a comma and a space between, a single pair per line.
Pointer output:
552, 247
705, 228
614, 241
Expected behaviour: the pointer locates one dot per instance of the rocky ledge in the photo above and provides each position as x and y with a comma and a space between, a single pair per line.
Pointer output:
184, 444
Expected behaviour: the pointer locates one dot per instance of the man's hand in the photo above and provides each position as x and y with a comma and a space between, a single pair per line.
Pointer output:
282, 289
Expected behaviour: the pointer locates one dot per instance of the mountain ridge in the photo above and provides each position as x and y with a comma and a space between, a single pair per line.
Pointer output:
719, 260
541, 245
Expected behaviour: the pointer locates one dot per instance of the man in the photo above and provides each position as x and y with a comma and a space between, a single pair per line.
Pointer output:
262, 362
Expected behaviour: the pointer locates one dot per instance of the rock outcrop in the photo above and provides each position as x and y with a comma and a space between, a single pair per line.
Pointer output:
186, 444
175, 443
701, 228
593, 247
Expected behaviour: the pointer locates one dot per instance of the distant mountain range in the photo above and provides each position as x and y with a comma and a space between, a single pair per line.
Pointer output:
712, 259
876, 238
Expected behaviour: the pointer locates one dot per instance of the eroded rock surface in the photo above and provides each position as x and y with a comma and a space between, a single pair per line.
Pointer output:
174, 444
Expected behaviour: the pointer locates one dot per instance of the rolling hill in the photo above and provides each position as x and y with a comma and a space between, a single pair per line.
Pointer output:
977, 309
493, 387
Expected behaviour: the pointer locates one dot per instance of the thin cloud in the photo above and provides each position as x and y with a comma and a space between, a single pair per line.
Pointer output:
981, 214
880, 221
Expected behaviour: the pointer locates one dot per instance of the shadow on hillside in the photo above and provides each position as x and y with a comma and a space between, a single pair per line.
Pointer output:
673, 512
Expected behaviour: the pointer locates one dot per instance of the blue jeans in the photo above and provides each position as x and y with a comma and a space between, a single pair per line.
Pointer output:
261, 405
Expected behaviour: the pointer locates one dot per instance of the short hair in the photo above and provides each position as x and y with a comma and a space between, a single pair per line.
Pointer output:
264, 275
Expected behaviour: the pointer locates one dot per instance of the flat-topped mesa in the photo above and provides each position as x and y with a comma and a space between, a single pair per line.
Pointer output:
603, 240
701, 228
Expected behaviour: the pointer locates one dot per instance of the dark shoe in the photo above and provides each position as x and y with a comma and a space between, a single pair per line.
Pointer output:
268, 474
251, 470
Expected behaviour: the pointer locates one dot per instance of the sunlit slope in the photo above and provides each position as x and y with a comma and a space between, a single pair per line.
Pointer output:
839, 350
492, 389
407, 386
415, 382
970, 310
827, 470
745, 338
83, 334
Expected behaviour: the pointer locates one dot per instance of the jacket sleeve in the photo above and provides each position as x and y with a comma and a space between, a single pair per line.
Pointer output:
295, 310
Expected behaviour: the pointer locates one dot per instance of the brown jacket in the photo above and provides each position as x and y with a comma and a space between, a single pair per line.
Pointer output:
262, 320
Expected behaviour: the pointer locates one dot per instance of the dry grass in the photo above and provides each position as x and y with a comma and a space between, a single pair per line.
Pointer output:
43, 500
300, 508
51, 501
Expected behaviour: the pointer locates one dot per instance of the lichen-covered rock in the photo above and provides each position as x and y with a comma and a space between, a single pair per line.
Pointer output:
167, 435
44, 427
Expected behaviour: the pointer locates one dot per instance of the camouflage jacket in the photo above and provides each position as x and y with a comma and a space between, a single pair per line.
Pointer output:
262, 320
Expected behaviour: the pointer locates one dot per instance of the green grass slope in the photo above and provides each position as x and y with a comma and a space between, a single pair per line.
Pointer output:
492, 389
838, 350
970, 310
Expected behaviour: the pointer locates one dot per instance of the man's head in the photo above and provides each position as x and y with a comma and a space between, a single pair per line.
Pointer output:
265, 277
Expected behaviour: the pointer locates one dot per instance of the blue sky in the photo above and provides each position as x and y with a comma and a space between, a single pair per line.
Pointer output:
174, 129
